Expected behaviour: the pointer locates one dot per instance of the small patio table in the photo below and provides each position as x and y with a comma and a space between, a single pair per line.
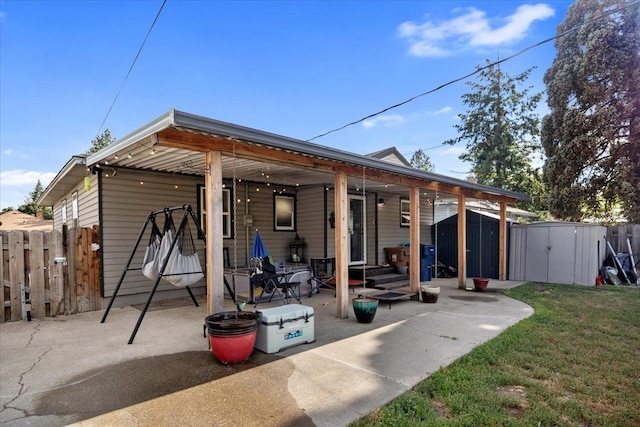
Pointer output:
390, 296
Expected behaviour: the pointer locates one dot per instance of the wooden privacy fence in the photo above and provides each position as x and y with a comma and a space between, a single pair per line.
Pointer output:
50, 272
617, 235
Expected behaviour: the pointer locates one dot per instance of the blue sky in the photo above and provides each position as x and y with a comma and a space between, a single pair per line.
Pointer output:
297, 68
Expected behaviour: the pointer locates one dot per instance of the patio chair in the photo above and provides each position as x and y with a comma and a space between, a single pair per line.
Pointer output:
323, 274
273, 282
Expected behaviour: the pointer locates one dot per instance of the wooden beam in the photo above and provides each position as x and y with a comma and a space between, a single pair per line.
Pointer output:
342, 245
502, 263
414, 240
215, 264
462, 243
176, 138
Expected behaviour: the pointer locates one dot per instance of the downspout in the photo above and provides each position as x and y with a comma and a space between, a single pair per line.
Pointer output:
100, 231
326, 220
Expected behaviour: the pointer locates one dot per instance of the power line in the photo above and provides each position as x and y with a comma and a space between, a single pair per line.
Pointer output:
131, 67
479, 69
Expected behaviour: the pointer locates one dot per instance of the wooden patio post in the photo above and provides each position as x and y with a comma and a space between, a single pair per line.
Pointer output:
502, 236
213, 228
462, 242
414, 231
342, 245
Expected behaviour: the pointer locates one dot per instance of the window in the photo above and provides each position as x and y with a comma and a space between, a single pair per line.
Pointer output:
405, 213
74, 209
63, 209
227, 229
284, 213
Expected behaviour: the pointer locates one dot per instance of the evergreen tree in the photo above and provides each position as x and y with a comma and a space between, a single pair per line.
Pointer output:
101, 141
30, 205
592, 135
501, 131
421, 160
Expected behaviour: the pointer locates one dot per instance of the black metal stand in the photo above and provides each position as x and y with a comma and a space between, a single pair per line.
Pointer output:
187, 212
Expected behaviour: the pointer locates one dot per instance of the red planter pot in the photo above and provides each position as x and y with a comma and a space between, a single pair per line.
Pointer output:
233, 349
232, 335
480, 284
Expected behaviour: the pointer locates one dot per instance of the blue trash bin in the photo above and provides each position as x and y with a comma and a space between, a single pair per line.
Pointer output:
427, 257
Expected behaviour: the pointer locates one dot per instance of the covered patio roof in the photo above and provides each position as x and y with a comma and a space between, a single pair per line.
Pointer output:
176, 142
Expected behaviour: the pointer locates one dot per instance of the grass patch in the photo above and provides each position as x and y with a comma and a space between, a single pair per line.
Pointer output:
575, 362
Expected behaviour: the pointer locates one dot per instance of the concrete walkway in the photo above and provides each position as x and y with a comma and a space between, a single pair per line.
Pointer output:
73, 369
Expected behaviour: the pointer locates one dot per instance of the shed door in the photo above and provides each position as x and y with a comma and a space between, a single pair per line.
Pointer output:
562, 256
537, 258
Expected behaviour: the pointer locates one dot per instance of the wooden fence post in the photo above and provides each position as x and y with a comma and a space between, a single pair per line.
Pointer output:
3, 258
36, 273
56, 274
16, 271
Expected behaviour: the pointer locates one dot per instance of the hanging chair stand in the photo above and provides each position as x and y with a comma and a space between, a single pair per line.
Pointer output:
187, 212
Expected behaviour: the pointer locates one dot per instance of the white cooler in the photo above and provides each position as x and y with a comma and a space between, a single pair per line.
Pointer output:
285, 326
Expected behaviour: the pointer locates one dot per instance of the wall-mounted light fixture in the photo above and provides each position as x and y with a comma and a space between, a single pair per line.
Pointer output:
380, 203
332, 220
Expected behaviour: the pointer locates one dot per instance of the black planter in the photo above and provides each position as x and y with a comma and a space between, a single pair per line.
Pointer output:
365, 309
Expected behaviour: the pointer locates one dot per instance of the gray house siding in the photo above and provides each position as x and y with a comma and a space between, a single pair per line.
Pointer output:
127, 200
129, 197
311, 220
88, 210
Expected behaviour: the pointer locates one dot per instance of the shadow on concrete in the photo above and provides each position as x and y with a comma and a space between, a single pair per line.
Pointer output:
135, 381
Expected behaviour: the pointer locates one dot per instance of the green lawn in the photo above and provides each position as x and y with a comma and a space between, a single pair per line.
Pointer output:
575, 362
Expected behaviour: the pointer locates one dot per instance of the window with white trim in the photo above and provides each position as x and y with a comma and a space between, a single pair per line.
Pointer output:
75, 213
63, 211
405, 213
227, 229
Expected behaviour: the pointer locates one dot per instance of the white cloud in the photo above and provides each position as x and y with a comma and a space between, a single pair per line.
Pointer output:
471, 29
7, 152
390, 120
19, 177
452, 151
443, 110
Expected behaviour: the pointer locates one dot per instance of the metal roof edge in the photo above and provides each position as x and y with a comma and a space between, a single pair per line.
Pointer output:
74, 161
164, 121
200, 123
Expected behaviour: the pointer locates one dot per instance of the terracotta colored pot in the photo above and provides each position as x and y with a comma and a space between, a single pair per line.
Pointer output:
480, 284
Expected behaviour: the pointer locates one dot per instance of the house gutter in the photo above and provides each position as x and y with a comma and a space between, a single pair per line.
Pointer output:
75, 161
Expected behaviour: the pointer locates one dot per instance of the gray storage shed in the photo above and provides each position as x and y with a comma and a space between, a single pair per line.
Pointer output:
557, 252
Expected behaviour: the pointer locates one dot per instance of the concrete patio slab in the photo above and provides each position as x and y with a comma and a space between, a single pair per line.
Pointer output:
73, 369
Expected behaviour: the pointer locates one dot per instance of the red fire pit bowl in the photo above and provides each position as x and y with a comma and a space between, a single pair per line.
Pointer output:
234, 348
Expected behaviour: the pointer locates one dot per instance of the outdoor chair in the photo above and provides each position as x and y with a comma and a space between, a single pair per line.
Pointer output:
323, 274
273, 282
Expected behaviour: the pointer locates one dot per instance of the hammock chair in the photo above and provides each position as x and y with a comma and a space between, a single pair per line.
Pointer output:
183, 267
150, 265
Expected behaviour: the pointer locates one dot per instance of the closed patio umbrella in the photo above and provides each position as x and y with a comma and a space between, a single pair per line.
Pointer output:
258, 250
